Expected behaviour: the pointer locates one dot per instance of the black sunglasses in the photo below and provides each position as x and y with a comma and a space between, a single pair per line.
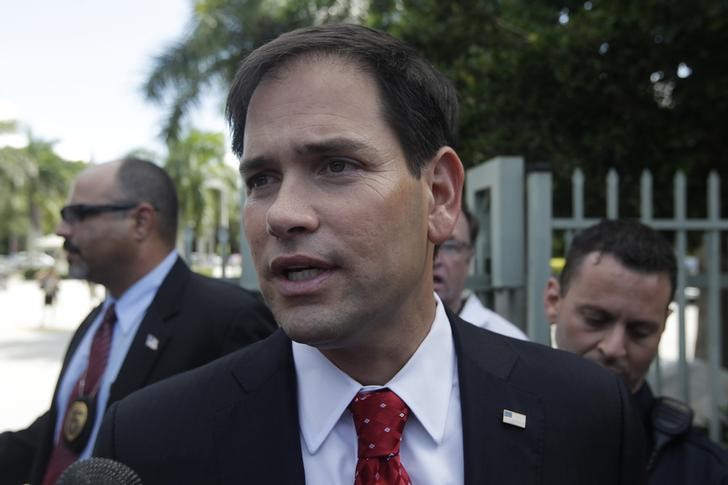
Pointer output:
78, 212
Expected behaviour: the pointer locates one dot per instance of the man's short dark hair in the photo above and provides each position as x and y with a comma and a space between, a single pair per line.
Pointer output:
473, 224
143, 181
418, 102
633, 244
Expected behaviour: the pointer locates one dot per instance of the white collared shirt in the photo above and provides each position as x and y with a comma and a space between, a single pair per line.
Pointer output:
432, 441
130, 309
475, 312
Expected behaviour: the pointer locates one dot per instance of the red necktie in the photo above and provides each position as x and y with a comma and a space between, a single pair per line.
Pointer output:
379, 418
77, 416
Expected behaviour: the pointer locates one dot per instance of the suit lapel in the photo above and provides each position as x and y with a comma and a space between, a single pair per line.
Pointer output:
72, 346
492, 448
257, 437
141, 357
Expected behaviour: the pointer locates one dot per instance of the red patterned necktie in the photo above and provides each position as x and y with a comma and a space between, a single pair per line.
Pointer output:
379, 419
87, 386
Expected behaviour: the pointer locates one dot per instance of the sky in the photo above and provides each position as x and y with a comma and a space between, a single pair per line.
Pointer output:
72, 71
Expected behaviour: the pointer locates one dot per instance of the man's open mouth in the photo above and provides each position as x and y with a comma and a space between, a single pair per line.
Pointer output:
300, 274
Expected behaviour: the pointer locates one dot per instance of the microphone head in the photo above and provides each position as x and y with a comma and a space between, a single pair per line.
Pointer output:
99, 471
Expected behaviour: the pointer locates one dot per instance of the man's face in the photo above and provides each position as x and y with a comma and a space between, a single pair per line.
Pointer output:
452, 264
337, 225
611, 315
97, 246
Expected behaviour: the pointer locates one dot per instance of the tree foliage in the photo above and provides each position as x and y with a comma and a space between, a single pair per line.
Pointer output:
34, 184
193, 160
594, 84
219, 35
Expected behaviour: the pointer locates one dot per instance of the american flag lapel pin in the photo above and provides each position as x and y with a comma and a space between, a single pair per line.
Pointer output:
152, 342
514, 419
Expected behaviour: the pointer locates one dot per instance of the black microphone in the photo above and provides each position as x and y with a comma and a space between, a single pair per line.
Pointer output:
99, 471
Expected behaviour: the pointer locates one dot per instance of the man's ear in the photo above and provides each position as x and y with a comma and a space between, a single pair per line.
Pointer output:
552, 299
145, 220
445, 177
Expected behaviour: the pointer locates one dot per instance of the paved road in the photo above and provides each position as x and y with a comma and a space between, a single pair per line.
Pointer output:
32, 345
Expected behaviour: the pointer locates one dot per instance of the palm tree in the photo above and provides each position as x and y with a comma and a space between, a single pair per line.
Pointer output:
34, 182
220, 34
192, 162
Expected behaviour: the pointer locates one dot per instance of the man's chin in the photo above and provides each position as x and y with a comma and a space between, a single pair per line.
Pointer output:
626, 378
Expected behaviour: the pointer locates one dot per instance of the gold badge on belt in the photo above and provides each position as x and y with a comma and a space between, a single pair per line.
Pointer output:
78, 422
76, 419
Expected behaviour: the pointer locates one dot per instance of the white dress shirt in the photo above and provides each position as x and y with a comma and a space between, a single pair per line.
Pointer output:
475, 312
130, 309
432, 441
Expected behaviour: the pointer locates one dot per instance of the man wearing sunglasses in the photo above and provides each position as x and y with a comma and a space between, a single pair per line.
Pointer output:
452, 265
158, 318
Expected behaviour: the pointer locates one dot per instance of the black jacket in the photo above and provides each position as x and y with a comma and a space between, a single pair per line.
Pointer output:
240, 419
689, 459
196, 320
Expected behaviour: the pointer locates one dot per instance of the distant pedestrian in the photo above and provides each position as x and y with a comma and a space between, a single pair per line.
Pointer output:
49, 281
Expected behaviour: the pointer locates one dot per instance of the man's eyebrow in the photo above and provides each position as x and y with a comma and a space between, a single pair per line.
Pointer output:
587, 307
328, 146
252, 165
331, 145
643, 323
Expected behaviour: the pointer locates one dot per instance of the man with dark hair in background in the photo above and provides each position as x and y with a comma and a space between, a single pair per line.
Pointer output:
610, 305
452, 266
157, 320
345, 139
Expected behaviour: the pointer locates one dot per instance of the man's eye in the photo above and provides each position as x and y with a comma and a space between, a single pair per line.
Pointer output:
258, 180
595, 321
338, 166
639, 333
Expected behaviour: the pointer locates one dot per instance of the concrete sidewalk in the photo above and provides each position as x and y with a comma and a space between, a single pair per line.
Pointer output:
32, 345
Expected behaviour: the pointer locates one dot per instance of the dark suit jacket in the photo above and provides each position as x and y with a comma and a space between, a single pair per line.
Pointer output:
196, 320
239, 420
689, 459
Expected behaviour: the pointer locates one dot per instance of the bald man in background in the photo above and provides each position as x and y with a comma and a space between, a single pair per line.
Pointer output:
158, 319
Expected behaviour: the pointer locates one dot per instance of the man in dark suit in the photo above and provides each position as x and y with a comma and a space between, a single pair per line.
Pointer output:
609, 305
120, 228
345, 138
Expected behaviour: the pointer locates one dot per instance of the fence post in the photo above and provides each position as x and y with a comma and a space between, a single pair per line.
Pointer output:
646, 217
497, 187
539, 252
714, 306
681, 250
612, 194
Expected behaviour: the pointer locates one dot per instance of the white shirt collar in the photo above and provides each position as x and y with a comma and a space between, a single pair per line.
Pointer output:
424, 383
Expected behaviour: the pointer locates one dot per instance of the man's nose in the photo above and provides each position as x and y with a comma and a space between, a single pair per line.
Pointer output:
63, 229
613, 345
291, 212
